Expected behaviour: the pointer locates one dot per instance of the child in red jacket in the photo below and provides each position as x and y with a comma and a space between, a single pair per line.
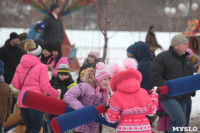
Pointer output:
130, 103
163, 120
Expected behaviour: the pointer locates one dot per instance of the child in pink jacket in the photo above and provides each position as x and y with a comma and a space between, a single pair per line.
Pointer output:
163, 120
56, 59
130, 103
32, 75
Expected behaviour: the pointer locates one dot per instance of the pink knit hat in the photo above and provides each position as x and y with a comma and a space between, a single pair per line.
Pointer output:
101, 73
94, 53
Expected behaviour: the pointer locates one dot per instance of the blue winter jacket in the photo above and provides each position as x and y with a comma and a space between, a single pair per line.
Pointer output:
141, 53
33, 34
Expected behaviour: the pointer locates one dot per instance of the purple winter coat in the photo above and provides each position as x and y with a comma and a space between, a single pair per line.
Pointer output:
80, 96
37, 79
163, 121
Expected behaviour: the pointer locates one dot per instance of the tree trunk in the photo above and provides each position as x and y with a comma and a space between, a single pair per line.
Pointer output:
104, 29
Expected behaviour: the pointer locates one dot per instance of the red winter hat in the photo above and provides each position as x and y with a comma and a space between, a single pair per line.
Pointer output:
126, 78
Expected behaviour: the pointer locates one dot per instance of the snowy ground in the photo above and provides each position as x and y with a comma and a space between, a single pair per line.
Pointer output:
196, 106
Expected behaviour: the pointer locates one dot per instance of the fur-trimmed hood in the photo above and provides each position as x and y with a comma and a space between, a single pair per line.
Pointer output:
88, 76
126, 81
125, 78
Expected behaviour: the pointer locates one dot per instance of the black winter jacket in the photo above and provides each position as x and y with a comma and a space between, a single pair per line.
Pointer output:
168, 65
58, 84
53, 31
11, 56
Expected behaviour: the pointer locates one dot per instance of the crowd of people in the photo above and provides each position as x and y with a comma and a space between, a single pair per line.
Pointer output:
39, 66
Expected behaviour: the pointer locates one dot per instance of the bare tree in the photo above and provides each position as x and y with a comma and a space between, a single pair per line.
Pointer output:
104, 20
104, 28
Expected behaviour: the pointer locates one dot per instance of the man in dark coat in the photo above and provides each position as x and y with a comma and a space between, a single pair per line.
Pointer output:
53, 31
151, 39
10, 54
172, 64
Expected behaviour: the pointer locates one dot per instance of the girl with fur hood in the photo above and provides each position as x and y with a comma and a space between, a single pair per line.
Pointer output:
94, 91
130, 103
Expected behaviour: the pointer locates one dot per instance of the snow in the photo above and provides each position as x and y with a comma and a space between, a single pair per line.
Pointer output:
119, 41
195, 105
89, 40
94, 39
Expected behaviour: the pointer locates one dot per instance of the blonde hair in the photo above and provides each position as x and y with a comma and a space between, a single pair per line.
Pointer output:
87, 76
30, 45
